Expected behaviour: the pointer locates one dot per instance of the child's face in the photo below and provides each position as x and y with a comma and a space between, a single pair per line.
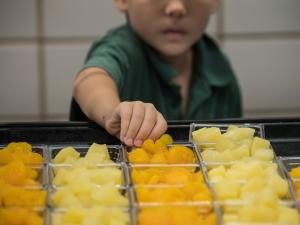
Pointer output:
170, 26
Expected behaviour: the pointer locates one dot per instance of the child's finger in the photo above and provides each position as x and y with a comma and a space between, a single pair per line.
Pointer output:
126, 109
148, 124
138, 114
160, 127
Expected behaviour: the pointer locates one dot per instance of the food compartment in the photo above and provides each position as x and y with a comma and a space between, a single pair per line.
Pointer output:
23, 215
94, 154
258, 130
95, 215
61, 175
221, 144
291, 167
28, 154
262, 211
175, 215
87, 195
252, 192
179, 154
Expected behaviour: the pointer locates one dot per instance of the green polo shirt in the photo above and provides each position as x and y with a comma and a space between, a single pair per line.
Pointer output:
141, 75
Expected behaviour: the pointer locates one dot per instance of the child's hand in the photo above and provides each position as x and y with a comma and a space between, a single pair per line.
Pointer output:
134, 122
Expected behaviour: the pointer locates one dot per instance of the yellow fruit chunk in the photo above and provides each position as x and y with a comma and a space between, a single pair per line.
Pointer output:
288, 216
227, 189
20, 151
174, 215
211, 156
160, 157
259, 143
96, 215
264, 154
68, 154
279, 185
16, 173
149, 146
224, 144
207, 135
19, 216
98, 153
138, 155
157, 216
240, 133
180, 154
11, 196
85, 194
217, 173
257, 213
295, 172
167, 139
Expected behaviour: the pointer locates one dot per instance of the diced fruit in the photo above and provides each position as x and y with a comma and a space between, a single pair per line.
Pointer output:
180, 154
264, 154
208, 135
240, 133
65, 153
98, 153
138, 155
259, 143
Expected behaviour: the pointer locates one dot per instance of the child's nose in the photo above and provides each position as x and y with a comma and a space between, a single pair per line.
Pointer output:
175, 8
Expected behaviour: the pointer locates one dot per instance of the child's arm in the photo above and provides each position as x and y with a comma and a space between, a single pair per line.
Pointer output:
132, 122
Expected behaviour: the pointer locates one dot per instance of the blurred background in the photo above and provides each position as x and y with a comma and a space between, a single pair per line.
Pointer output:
43, 44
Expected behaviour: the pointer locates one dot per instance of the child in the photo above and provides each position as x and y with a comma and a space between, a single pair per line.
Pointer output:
158, 66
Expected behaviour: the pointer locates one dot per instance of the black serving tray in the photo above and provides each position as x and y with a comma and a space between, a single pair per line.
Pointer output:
284, 133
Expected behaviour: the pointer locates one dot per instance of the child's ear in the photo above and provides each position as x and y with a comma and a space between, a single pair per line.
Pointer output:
122, 5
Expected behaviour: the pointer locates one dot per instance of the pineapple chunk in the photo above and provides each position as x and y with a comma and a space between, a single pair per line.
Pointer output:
264, 154
98, 153
288, 216
240, 133
227, 189
211, 156
68, 154
279, 185
257, 213
224, 144
208, 135
259, 143
217, 173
